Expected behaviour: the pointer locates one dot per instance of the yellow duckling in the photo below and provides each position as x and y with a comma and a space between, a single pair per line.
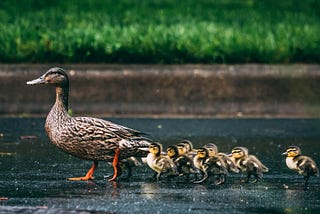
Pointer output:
160, 163
229, 163
248, 164
210, 166
183, 163
302, 164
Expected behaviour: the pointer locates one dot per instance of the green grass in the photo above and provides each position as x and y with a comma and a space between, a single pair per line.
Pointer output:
154, 31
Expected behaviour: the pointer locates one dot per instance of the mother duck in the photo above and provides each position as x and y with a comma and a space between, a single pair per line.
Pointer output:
87, 137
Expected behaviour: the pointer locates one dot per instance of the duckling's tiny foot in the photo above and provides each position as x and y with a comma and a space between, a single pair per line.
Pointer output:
200, 181
244, 181
219, 182
108, 176
255, 181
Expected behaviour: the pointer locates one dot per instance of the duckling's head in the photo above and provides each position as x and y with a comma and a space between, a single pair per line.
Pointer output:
292, 151
172, 151
202, 153
239, 152
212, 149
55, 76
182, 149
188, 144
155, 148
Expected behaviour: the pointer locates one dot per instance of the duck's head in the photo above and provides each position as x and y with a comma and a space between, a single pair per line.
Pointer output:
172, 151
55, 76
155, 148
212, 149
182, 149
292, 151
239, 152
202, 153
188, 144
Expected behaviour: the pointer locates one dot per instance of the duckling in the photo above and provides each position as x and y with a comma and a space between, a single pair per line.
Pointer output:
183, 163
304, 165
229, 163
212, 149
199, 162
185, 147
188, 144
159, 163
210, 166
87, 137
128, 164
248, 164
215, 166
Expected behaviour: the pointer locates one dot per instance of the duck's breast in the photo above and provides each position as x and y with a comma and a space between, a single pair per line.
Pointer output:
291, 164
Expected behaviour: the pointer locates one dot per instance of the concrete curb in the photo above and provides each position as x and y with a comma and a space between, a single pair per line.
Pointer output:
168, 90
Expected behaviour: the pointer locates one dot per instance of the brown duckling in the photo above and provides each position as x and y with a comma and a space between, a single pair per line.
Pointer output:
186, 148
160, 163
304, 165
87, 137
248, 164
229, 163
210, 166
183, 163
128, 164
199, 162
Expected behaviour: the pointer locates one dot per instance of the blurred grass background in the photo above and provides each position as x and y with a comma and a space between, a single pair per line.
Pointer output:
160, 31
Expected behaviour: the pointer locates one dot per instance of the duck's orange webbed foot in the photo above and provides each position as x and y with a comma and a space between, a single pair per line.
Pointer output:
88, 176
115, 165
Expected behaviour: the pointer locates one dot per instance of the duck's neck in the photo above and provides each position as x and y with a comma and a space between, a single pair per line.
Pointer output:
59, 110
62, 97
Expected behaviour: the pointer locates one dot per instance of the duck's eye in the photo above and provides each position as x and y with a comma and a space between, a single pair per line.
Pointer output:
201, 153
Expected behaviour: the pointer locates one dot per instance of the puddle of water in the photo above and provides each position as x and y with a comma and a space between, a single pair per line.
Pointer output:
33, 172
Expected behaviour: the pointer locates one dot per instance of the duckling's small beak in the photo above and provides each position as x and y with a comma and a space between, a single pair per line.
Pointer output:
229, 155
285, 153
40, 80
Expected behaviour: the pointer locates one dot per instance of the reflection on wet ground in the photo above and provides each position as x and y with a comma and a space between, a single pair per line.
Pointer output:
33, 172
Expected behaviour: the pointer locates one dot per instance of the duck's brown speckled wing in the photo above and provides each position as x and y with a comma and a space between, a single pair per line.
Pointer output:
97, 139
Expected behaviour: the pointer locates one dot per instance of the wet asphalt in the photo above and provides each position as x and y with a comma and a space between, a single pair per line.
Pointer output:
33, 172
